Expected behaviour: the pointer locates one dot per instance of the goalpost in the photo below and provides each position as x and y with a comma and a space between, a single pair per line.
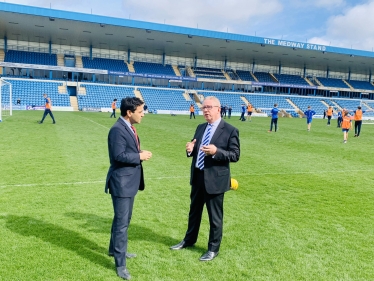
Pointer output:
369, 118
5, 99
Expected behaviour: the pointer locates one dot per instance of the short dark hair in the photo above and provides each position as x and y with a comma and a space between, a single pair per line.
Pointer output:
359, 107
130, 103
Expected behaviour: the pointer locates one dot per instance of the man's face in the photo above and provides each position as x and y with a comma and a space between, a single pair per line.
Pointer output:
136, 117
211, 110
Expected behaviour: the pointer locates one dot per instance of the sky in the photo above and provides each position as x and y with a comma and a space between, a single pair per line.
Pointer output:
338, 23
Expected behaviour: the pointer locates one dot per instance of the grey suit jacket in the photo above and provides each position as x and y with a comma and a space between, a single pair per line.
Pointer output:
217, 169
125, 174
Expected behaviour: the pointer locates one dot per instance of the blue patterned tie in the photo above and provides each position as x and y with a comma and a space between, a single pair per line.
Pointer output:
200, 158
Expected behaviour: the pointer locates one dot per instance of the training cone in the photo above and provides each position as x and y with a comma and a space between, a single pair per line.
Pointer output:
234, 184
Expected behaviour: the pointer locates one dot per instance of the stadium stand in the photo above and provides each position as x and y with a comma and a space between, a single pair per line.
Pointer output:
332, 82
30, 57
245, 75
210, 73
303, 103
229, 99
348, 104
266, 102
165, 99
98, 96
30, 92
153, 68
362, 85
232, 74
264, 77
290, 79
106, 64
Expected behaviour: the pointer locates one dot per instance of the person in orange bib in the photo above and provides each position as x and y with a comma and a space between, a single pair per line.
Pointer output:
329, 115
358, 120
114, 106
192, 111
249, 112
346, 125
48, 109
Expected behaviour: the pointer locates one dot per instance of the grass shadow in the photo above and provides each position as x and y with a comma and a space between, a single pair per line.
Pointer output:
59, 236
99, 224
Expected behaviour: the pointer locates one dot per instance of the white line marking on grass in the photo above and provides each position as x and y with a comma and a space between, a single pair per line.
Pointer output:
94, 122
173, 177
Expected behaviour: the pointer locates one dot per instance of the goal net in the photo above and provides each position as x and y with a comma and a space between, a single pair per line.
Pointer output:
5, 99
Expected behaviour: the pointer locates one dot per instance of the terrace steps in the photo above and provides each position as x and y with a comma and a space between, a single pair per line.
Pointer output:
130, 66
74, 102
60, 60
350, 87
254, 77
176, 70
78, 62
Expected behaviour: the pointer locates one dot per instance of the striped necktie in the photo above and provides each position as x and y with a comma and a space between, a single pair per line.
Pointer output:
136, 136
201, 155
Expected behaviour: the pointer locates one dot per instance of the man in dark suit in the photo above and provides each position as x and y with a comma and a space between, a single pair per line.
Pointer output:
125, 177
214, 145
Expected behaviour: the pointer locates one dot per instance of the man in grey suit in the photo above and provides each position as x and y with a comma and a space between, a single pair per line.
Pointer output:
214, 145
125, 177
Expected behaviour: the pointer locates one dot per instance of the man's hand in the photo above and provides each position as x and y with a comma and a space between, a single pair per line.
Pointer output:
190, 146
209, 149
145, 155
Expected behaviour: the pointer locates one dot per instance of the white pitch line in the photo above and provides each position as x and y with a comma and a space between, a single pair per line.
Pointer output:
94, 122
177, 177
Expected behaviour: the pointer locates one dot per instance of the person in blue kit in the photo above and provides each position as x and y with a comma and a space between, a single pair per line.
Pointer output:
48, 109
309, 116
340, 118
274, 118
242, 118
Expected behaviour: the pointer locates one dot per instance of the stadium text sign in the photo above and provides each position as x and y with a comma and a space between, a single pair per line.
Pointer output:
298, 45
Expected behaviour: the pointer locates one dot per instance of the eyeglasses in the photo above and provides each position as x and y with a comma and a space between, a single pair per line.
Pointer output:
209, 107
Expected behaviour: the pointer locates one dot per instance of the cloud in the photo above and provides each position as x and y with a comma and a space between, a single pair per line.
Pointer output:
353, 28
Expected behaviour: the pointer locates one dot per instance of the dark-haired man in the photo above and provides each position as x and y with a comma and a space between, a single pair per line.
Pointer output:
125, 177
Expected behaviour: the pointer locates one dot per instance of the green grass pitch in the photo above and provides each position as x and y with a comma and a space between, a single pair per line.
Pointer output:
304, 209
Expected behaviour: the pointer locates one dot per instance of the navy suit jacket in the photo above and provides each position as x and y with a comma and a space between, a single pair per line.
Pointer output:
125, 175
217, 169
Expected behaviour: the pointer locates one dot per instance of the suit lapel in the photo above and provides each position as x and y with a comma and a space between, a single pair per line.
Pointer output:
200, 134
129, 131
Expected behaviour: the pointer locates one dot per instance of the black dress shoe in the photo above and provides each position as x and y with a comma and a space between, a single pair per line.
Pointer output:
123, 273
182, 244
208, 256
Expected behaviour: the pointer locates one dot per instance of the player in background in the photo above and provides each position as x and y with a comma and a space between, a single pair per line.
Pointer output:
114, 106
48, 109
274, 118
358, 119
192, 111
329, 115
309, 116
346, 125
340, 118
249, 112
242, 118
